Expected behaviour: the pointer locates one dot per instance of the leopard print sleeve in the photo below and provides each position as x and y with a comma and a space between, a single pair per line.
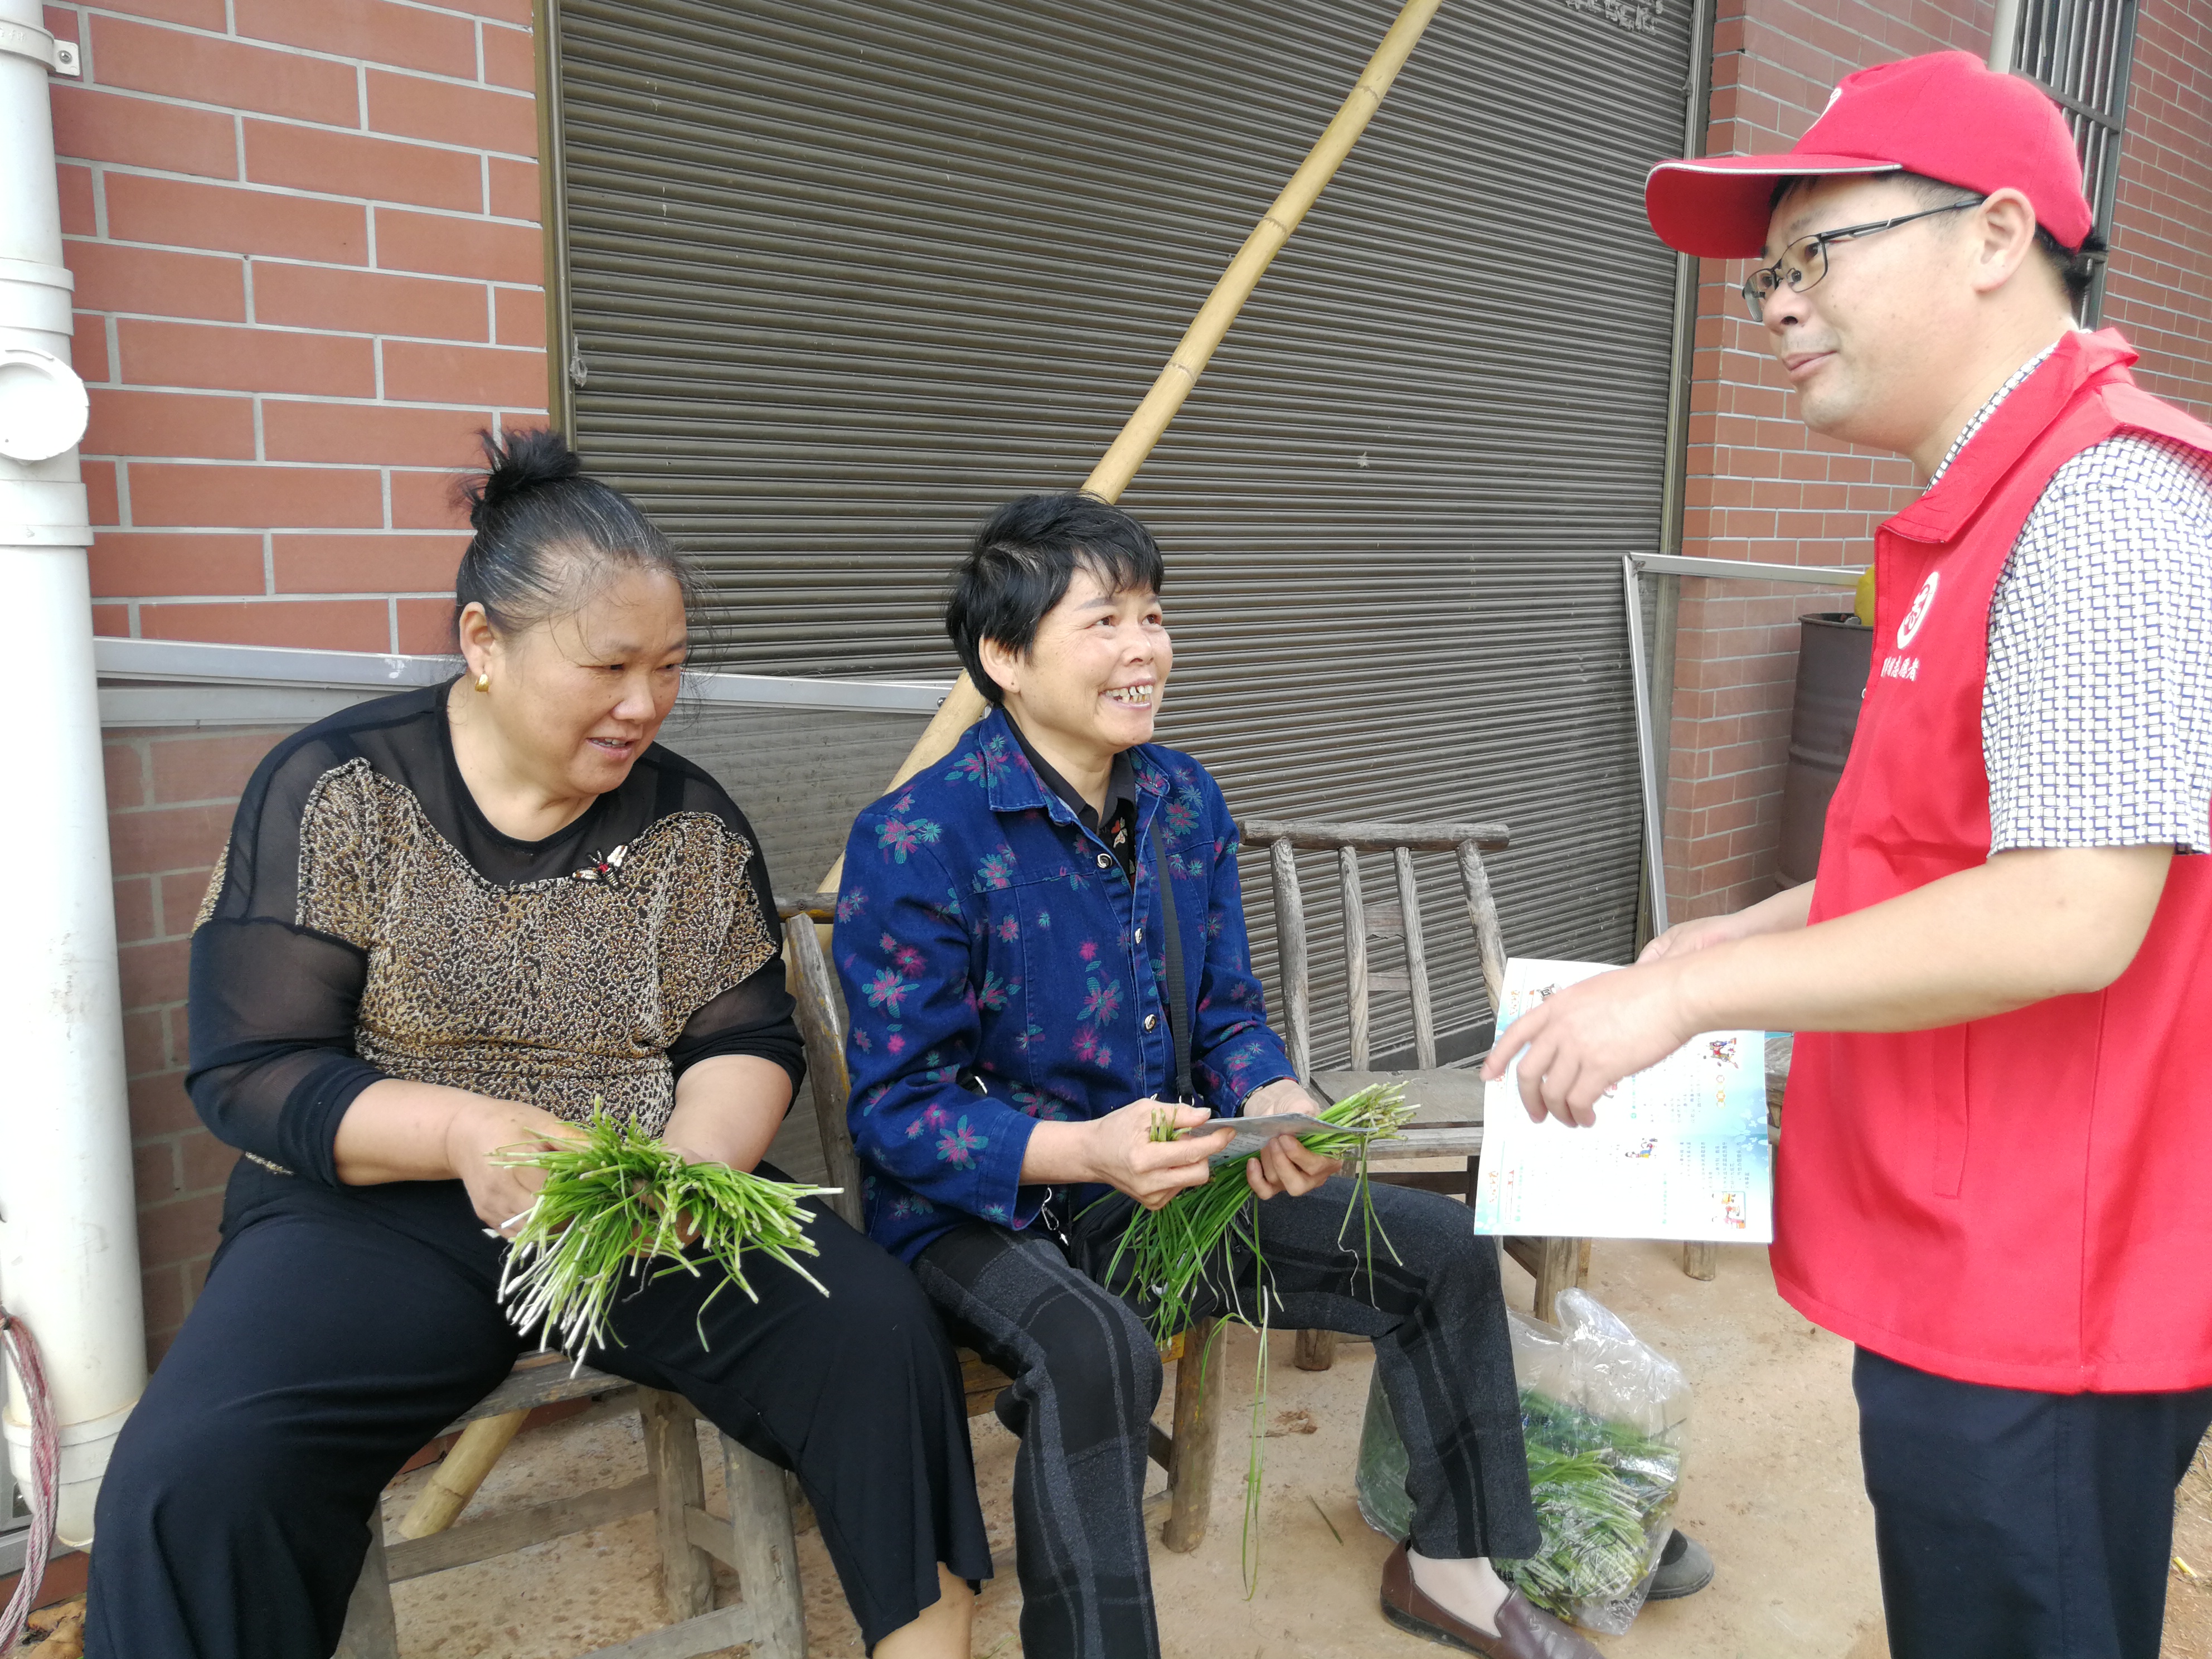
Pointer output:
342, 834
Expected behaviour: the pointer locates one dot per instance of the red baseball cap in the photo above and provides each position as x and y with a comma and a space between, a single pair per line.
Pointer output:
1945, 116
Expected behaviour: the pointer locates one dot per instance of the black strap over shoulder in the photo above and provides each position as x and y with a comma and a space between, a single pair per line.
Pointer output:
1178, 998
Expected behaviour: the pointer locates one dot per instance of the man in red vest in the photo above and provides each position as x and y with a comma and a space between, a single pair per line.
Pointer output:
1996, 1179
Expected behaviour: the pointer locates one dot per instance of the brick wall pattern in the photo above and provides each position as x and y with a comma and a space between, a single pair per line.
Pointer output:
308, 269
1760, 486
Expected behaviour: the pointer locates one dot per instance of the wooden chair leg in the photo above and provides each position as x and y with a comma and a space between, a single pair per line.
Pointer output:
672, 1456
1197, 1428
1317, 1350
764, 1552
370, 1632
1555, 1271
1581, 1262
1701, 1259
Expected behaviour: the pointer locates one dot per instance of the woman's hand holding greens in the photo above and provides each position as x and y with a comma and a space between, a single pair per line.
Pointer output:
728, 1110
728, 1107
1119, 1150
1286, 1164
476, 1142
400, 1131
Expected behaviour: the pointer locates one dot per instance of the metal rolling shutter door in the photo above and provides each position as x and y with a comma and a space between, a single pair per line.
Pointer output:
844, 276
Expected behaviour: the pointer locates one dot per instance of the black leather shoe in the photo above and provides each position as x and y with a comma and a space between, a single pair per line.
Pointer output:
1684, 1570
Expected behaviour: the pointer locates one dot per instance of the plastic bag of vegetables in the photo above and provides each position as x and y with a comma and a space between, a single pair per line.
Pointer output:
1603, 1415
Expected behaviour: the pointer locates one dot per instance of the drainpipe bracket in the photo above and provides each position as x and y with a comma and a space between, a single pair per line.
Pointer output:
28, 40
36, 270
43, 513
45, 535
85, 1450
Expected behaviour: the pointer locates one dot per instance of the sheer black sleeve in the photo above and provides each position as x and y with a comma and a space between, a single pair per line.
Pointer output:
273, 1002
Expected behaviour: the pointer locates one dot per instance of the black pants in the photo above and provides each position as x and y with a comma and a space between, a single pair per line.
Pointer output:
1086, 1378
2017, 1525
341, 1330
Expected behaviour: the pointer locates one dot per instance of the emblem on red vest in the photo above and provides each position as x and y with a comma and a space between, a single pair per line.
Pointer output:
1918, 614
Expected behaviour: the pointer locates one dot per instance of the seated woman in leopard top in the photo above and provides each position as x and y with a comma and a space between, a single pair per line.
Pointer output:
446, 923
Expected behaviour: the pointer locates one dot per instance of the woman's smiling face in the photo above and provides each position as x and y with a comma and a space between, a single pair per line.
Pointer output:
577, 698
1094, 676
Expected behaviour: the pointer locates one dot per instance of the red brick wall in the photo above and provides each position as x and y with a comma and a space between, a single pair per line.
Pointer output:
2158, 290
170, 796
1761, 487
308, 268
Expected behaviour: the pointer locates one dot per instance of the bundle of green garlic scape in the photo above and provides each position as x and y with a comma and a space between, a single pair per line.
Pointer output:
1192, 1239
1603, 1491
615, 1202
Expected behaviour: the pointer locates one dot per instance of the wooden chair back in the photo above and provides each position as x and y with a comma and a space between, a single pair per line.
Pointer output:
1397, 921
1450, 1121
823, 1030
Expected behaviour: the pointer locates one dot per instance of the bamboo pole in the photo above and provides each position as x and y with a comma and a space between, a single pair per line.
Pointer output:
965, 705
455, 1480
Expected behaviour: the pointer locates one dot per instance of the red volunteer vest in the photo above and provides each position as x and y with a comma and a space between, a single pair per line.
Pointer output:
2023, 1200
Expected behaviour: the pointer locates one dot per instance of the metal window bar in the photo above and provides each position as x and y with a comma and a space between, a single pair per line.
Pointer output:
2080, 51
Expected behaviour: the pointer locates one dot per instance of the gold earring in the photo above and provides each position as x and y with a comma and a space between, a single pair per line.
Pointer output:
483, 682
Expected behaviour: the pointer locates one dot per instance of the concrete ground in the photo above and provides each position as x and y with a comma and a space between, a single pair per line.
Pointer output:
1771, 1487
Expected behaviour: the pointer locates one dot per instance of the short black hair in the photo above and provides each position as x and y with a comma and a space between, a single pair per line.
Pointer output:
547, 534
1021, 563
2074, 267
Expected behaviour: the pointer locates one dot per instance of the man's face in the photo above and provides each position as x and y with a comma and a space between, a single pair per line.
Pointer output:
1873, 348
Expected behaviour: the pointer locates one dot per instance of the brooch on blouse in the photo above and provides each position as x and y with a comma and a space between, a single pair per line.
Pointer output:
604, 866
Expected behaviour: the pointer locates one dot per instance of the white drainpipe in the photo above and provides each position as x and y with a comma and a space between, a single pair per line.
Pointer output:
68, 1243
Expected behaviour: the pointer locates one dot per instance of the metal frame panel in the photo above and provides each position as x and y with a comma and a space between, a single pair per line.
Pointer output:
166, 683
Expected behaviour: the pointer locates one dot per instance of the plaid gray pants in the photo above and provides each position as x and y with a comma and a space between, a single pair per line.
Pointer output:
1086, 1378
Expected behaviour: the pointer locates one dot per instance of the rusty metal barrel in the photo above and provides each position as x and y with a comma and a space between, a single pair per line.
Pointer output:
1835, 652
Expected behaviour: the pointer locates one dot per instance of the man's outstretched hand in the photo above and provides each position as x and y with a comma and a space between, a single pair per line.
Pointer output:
1583, 1040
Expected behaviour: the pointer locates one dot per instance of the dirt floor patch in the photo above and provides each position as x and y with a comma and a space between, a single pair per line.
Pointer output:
2189, 1574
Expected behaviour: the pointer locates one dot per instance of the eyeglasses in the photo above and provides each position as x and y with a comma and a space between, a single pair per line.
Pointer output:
1805, 261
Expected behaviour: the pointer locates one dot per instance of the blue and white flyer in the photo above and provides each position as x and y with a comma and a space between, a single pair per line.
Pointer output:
1678, 1151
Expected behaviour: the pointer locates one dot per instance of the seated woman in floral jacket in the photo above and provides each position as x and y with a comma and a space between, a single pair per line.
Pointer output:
1002, 938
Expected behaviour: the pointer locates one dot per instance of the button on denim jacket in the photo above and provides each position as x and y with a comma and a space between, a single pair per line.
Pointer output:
1000, 969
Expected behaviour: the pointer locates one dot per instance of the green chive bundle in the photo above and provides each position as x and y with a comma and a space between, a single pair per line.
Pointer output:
617, 1202
1173, 1249
1603, 1490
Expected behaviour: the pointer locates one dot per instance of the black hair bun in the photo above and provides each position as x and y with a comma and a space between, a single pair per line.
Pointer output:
523, 462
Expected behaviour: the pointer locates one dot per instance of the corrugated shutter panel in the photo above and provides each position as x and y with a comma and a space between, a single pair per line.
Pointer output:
844, 276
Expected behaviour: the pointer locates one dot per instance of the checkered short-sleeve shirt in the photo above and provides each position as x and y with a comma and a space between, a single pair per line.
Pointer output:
2097, 706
